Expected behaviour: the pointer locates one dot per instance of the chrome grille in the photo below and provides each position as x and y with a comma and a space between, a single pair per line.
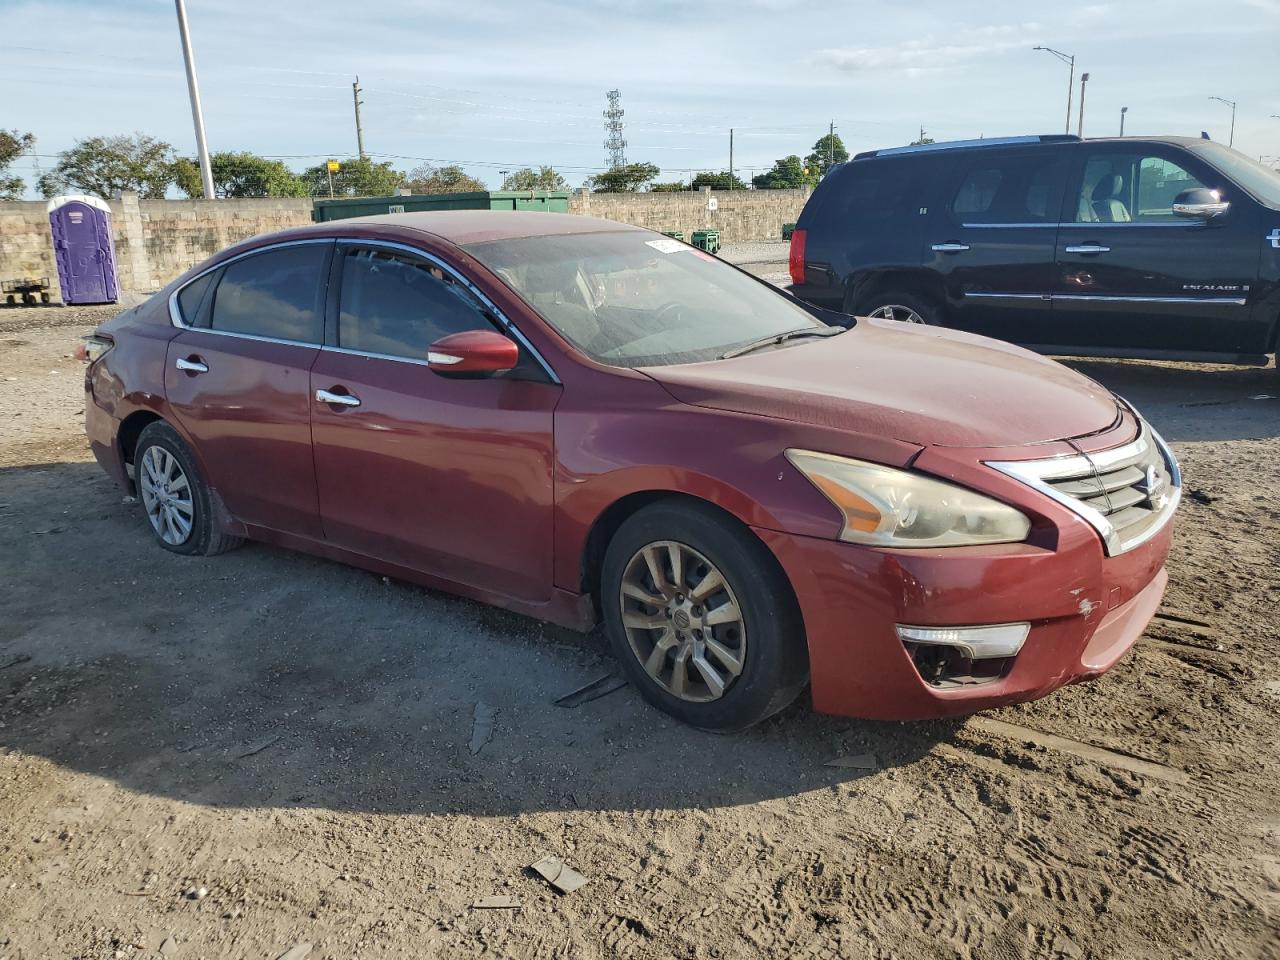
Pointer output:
1127, 493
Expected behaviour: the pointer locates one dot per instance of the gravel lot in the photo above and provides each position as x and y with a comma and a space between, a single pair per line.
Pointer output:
291, 737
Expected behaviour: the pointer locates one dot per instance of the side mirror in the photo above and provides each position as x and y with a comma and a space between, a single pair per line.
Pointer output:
473, 353
1199, 203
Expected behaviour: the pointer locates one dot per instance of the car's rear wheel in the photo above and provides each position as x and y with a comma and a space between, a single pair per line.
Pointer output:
177, 501
901, 306
701, 617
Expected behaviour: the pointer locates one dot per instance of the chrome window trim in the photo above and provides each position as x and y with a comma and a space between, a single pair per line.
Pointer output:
1037, 474
1006, 296
1058, 224
175, 315
327, 348
475, 291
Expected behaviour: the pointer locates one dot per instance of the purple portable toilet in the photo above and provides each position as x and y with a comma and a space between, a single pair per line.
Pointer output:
84, 249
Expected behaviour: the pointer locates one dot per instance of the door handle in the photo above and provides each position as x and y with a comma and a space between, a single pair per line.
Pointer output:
1087, 248
191, 365
340, 399
949, 247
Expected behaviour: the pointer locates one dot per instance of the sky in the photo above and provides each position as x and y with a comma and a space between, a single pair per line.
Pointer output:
495, 85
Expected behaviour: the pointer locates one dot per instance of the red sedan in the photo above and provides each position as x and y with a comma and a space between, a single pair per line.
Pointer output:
581, 421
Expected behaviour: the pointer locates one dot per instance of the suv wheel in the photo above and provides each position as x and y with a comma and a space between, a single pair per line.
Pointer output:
700, 615
178, 503
901, 306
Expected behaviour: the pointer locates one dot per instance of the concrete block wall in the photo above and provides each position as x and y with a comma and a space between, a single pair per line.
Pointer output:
156, 240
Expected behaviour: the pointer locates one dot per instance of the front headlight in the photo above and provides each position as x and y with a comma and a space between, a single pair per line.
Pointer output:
884, 507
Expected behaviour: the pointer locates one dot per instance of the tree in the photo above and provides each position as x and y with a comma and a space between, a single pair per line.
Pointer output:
12, 145
717, 181
546, 178
451, 179
924, 138
672, 186
827, 152
240, 175
787, 174
104, 166
356, 177
625, 179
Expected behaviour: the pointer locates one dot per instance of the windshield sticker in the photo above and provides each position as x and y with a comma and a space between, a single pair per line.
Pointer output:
667, 245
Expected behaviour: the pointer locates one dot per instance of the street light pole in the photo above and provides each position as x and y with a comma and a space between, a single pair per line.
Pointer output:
1231, 138
1123, 111
197, 115
1084, 78
1070, 60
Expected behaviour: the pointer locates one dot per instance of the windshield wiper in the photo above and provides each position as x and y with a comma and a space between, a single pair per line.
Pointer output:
779, 338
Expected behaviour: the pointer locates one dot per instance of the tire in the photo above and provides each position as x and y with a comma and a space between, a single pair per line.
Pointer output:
193, 528
900, 302
769, 645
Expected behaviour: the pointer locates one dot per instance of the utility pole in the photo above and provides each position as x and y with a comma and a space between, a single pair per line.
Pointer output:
355, 96
193, 89
831, 145
1084, 78
1123, 111
1231, 138
731, 158
1070, 61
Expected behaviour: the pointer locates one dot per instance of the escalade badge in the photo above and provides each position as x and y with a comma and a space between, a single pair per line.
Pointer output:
1274, 237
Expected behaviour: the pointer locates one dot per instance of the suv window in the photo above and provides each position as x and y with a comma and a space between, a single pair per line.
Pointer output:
192, 297
1130, 187
878, 191
1013, 189
399, 305
277, 293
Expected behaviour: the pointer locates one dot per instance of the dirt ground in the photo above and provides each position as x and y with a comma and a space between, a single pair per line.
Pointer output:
291, 736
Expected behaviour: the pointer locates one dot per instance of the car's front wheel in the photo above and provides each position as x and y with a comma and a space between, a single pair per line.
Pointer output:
701, 617
177, 501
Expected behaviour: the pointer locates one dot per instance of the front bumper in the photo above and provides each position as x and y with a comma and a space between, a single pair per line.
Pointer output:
1086, 610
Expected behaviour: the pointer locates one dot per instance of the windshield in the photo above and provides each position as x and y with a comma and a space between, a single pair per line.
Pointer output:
633, 299
1262, 182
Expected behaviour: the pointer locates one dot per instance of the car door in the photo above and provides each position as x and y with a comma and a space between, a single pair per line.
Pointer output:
451, 477
1133, 275
992, 240
236, 378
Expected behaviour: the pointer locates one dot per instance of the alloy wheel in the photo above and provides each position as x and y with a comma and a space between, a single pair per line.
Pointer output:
166, 495
682, 620
895, 311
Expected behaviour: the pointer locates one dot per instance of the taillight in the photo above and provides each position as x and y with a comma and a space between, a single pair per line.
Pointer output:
796, 260
94, 346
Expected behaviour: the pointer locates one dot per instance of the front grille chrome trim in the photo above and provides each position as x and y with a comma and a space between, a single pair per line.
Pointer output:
1041, 475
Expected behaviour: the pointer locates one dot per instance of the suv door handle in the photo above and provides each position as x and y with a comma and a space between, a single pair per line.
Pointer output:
949, 247
192, 365
1087, 248
340, 399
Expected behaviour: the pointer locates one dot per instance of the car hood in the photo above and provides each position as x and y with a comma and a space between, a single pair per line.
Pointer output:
923, 385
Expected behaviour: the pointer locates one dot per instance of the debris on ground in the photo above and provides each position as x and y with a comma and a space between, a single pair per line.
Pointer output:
258, 746
497, 902
860, 761
600, 687
299, 951
561, 876
482, 726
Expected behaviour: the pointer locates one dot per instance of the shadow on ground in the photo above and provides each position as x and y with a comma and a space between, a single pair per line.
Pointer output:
1189, 402
267, 678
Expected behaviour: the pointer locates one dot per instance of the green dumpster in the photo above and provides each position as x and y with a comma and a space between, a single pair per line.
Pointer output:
708, 240
674, 234
787, 230
549, 201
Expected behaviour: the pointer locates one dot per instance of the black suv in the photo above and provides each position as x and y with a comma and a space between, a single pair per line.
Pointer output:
1161, 247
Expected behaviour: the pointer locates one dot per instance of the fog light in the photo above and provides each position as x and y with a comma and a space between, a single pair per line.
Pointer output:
988, 642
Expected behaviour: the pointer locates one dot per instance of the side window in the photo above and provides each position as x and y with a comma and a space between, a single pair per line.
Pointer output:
192, 297
1017, 189
880, 191
399, 306
278, 294
1130, 188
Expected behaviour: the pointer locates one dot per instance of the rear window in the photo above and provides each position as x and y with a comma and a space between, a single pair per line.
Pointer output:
276, 294
1011, 189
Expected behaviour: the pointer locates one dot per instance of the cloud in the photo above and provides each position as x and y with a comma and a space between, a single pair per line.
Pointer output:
928, 54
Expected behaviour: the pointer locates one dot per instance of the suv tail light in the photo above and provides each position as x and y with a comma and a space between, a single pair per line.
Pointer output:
795, 262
